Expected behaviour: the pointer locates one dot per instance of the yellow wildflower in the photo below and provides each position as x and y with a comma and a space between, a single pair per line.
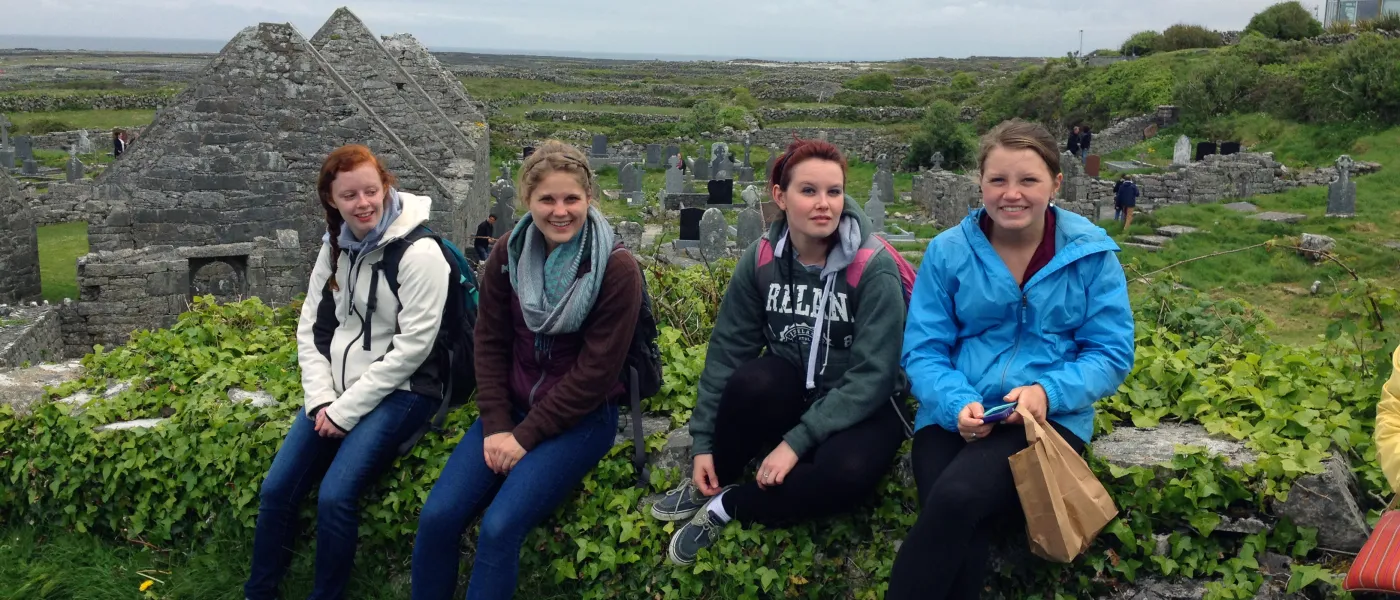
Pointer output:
146, 585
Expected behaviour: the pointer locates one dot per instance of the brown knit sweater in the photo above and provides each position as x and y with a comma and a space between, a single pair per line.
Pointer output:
581, 374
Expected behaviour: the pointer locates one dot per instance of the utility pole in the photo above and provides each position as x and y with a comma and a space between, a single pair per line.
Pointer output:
1081, 42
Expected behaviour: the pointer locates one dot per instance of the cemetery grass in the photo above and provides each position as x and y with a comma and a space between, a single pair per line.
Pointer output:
60, 245
1276, 281
88, 119
58, 159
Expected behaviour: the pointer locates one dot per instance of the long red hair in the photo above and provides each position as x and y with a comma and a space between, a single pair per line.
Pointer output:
345, 158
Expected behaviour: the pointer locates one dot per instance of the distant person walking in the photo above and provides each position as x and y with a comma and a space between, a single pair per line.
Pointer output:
1086, 138
485, 238
1074, 140
118, 144
1125, 195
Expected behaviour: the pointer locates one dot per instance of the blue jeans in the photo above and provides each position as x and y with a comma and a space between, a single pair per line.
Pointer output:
345, 468
513, 505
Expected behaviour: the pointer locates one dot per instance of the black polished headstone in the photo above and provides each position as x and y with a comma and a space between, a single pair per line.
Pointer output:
690, 223
1228, 148
1204, 149
721, 191
526, 152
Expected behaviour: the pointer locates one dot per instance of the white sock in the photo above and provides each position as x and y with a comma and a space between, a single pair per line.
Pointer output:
716, 508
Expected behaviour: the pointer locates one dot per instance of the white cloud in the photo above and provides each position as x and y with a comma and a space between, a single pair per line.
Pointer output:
816, 29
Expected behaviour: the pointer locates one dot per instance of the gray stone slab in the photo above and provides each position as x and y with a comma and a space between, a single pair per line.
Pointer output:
1151, 240
714, 234
1146, 247
1279, 217
1244, 207
750, 226
1172, 231
134, 424
1148, 448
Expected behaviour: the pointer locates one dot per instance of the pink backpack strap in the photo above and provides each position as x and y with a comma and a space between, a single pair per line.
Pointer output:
868, 250
765, 252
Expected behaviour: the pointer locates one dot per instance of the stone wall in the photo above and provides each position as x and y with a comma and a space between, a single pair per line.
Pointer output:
65, 203
599, 117
865, 143
19, 246
29, 335
886, 114
1119, 135
946, 197
604, 98
60, 140
47, 102
1329, 39
125, 290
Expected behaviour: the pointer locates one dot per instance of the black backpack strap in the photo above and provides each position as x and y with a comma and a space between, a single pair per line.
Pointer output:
639, 441
393, 254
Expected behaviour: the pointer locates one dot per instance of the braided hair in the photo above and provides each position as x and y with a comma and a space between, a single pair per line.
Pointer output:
552, 157
345, 158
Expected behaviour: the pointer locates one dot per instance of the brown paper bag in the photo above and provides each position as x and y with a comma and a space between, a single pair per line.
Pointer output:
1066, 507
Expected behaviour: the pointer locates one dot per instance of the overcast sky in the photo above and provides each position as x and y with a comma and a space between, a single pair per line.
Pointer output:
801, 29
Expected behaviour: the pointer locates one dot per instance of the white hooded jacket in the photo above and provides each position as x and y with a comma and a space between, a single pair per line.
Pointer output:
337, 371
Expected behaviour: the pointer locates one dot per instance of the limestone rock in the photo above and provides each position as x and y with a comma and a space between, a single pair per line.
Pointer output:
651, 425
1244, 207
1279, 217
1326, 501
256, 399
1132, 447
125, 425
1172, 231
1316, 247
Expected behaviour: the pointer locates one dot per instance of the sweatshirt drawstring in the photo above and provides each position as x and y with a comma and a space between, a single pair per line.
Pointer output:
817, 333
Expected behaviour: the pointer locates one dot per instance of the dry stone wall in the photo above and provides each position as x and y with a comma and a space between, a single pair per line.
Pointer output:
865, 143
54, 102
1119, 135
599, 117
65, 203
19, 246
29, 335
887, 114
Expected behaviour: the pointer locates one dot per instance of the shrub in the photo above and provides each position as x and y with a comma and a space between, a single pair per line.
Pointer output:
1285, 21
963, 82
1142, 43
873, 82
1185, 37
1222, 86
47, 125
744, 98
704, 116
1261, 50
1367, 74
940, 131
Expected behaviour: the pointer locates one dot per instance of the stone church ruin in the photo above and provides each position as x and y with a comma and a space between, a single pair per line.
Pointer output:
219, 195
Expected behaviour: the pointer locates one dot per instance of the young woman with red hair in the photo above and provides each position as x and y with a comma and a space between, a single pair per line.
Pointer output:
802, 369
366, 369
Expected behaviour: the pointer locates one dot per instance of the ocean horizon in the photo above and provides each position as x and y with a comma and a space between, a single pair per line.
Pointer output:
210, 46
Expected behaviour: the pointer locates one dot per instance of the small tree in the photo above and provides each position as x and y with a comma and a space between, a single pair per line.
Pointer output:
940, 131
1183, 37
704, 116
963, 82
1141, 44
872, 82
1285, 21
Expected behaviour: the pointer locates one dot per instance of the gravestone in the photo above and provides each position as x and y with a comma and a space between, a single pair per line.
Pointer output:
24, 147
1149, 132
1181, 154
503, 207
7, 157
1204, 149
600, 145
675, 177
750, 226
75, 169
721, 191
721, 175
875, 210
690, 227
1341, 194
773, 153
671, 150
746, 174
30, 167
84, 143
699, 169
1228, 148
630, 234
885, 178
653, 155
719, 157
714, 234
1092, 165
750, 197
747, 143
4, 131
631, 179
936, 162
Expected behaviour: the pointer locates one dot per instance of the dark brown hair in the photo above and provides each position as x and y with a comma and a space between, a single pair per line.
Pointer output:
345, 158
1021, 135
798, 152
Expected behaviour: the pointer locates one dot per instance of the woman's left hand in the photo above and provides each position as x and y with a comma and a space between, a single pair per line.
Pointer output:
1033, 398
776, 467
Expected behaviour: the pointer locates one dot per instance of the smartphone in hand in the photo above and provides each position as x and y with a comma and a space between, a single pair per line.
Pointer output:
999, 413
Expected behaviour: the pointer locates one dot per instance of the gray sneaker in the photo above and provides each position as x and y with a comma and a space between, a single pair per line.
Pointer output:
681, 503
700, 533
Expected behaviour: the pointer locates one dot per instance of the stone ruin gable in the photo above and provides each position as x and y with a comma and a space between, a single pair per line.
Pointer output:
448, 94
236, 155
398, 100
19, 245
125, 290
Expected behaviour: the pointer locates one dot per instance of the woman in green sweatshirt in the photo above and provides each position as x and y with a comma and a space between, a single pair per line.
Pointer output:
803, 365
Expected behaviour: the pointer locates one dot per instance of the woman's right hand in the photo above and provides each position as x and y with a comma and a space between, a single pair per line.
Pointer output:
704, 474
970, 425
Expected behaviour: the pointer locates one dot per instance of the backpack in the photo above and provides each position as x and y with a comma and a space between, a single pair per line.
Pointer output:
454, 347
872, 246
641, 374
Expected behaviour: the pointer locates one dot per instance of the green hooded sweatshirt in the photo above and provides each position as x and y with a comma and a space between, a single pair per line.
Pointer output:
856, 368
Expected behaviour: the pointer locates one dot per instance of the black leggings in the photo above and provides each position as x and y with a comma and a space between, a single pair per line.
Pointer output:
762, 401
968, 493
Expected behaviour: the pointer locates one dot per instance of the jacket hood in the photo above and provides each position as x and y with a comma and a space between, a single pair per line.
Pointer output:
414, 212
851, 232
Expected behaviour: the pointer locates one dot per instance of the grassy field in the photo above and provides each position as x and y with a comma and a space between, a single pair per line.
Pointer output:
58, 159
60, 245
491, 88
88, 119
519, 111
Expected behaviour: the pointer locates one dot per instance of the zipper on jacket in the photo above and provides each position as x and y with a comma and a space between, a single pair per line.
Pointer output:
1016, 349
535, 388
